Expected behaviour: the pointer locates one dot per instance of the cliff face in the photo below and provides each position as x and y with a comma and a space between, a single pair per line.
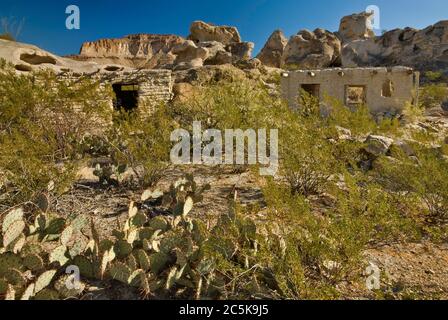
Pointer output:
140, 50
355, 45
206, 45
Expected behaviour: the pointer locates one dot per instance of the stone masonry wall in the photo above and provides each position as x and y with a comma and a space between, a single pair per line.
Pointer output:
403, 83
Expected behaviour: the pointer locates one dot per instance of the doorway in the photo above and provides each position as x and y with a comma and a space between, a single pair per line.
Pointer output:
312, 89
126, 96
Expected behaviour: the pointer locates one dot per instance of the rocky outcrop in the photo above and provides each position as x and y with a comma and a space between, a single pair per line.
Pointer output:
206, 45
188, 51
26, 58
140, 50
203, 32
318, 49
357, 26
272, 52
425, 49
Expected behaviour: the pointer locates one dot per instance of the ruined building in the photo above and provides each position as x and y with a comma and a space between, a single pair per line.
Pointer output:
383, 90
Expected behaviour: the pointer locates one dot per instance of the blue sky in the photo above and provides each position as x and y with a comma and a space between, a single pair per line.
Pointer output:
44, 20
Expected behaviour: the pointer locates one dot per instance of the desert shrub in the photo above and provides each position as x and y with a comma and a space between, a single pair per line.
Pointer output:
325, 249
433, 95
384, 217
423, 176
434, 76
226, 105
142, 144
42, 123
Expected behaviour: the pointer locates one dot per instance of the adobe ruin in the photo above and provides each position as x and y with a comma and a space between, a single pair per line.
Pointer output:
383, 90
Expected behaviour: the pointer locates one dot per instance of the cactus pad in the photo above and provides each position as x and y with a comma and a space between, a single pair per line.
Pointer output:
14, 231
44, 280
121, 272
33, 262
59, 255
11, 217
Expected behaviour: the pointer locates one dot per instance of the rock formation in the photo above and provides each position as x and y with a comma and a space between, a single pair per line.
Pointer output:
355, 45
141, 50
203, 32
206, 45
26, 58
425, 49
318, 49
357, 26
272, 52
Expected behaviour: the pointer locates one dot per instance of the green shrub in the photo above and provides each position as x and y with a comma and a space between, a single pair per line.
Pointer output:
43, 121
434, 75
142, 144
433, 95
424, 176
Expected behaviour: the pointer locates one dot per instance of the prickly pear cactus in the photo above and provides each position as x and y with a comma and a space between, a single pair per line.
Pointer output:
25, 266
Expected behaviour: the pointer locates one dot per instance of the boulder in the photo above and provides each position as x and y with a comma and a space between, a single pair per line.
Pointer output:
248, 64
221, 57
188, 51
318, 49
213, 47
357, 26
378, 145
201, 32
272, 52
191, 64
241, 50
343, 133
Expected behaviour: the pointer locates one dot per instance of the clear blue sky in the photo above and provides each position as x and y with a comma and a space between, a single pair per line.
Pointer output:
44, 20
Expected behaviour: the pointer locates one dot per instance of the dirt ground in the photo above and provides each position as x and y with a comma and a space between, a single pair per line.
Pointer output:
406, 268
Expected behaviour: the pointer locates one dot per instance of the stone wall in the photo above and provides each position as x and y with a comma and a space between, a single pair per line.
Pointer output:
155, 86
385, 90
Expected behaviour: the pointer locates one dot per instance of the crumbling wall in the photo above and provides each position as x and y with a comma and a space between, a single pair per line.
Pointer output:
155, 86
386, 90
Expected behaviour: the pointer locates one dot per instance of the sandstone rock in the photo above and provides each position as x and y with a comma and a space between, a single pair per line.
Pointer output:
248, 64
140, 50
221, 57
201, 32
318, 49
241, 50
357, 26
26, 58
191, 64
213, 47
378, 145
272, 52
423, 50
188, 51
343, 133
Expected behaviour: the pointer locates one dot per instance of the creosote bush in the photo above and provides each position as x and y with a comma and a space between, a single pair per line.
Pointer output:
142, 144
43, 121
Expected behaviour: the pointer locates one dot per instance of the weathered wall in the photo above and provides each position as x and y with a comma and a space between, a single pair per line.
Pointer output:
155, 86
333, 82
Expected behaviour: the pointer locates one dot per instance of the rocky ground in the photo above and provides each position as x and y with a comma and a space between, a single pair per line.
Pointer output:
407, 270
